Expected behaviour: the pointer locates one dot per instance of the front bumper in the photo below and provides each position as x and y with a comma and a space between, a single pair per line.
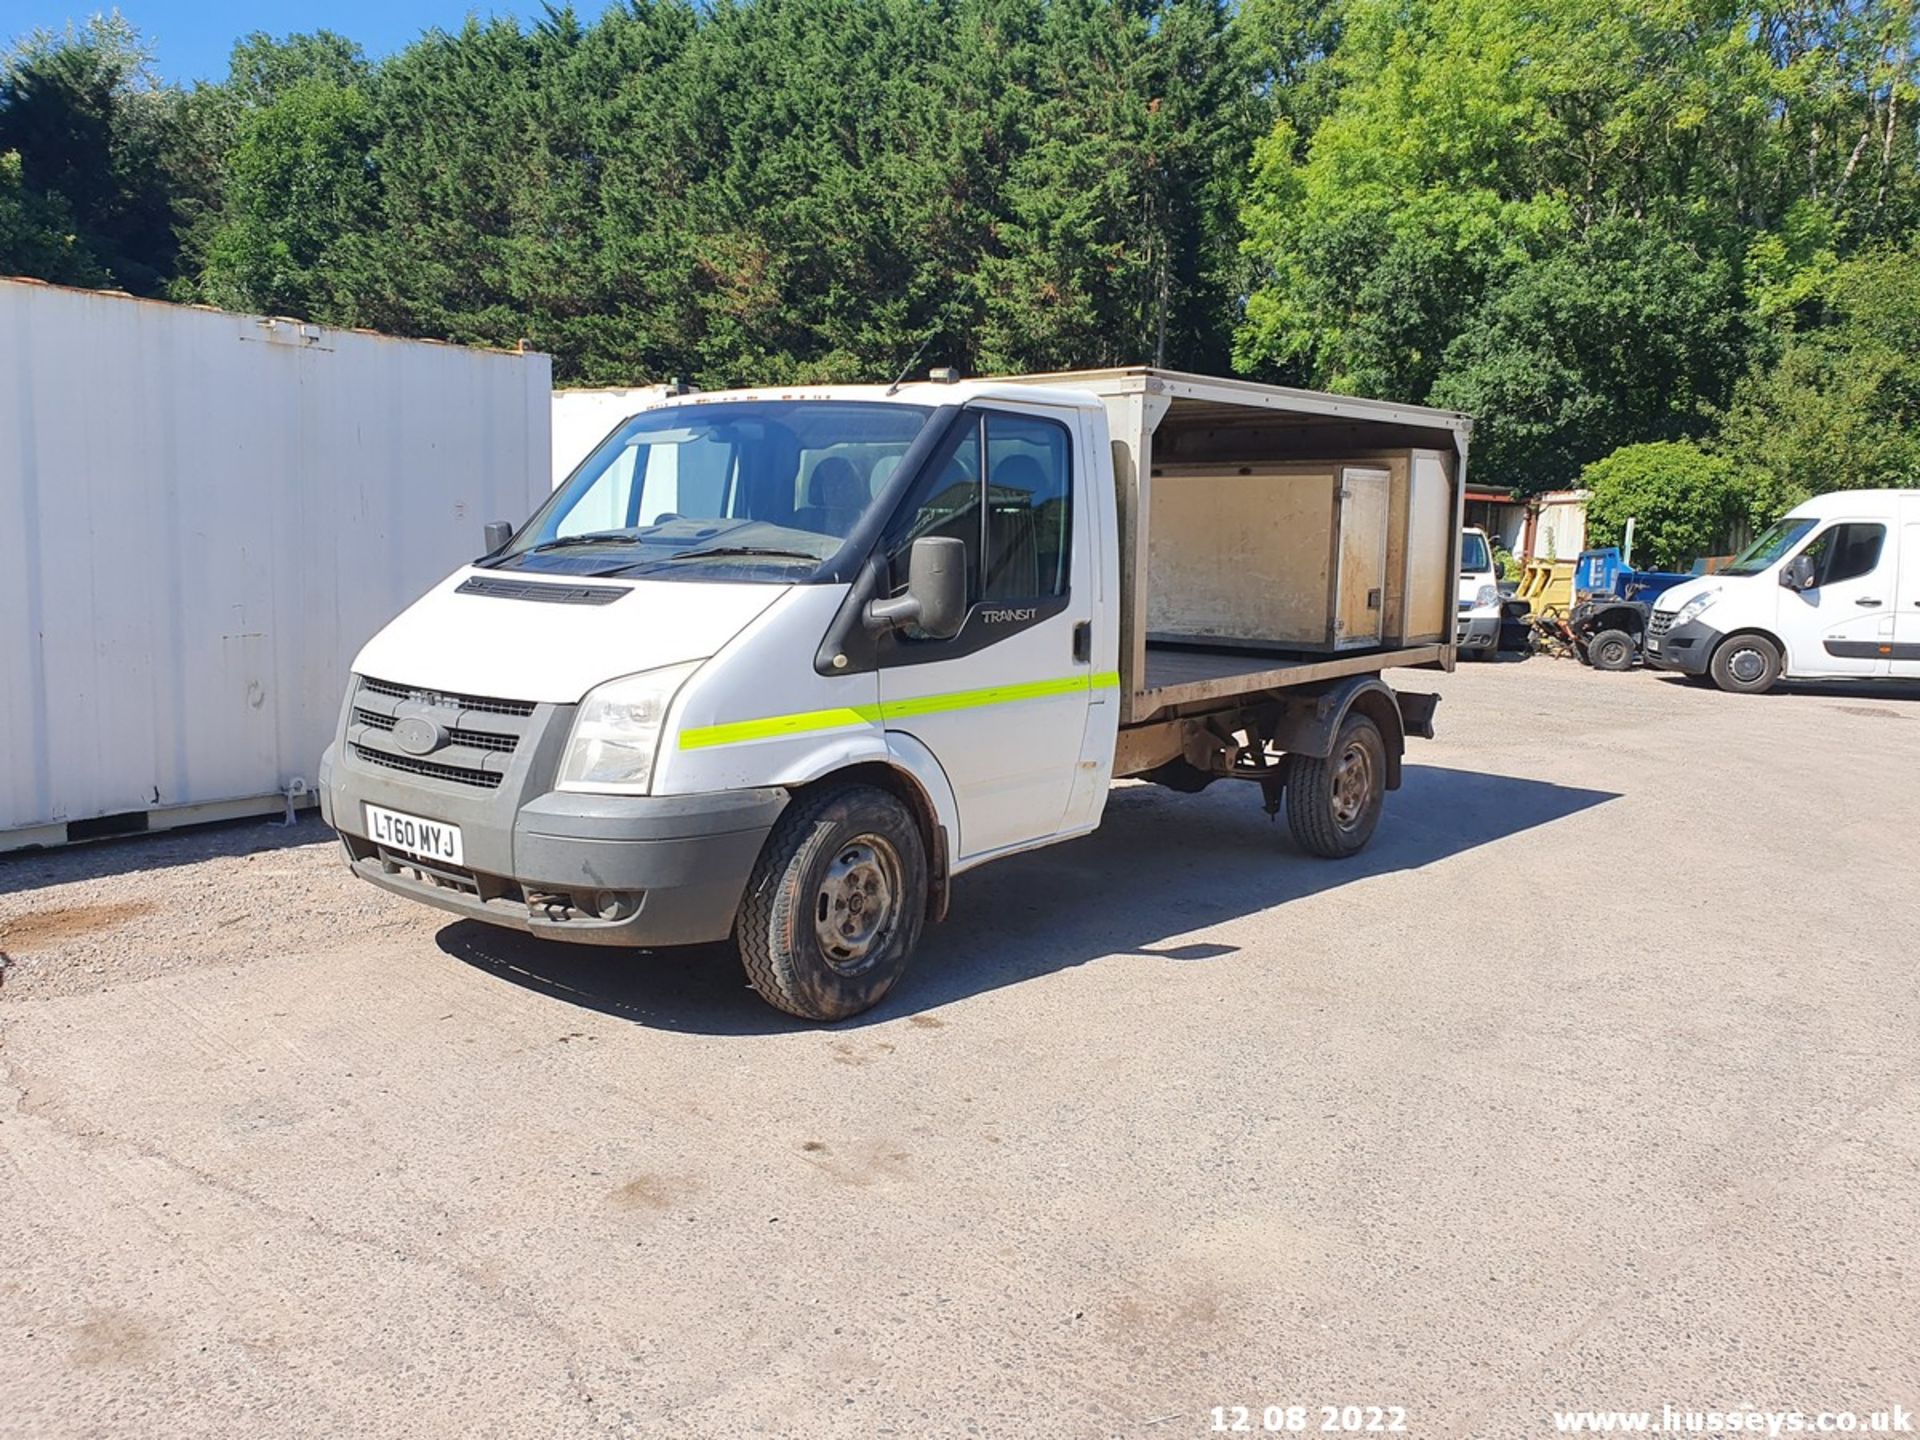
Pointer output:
1478, 629
1686, 648
640, 870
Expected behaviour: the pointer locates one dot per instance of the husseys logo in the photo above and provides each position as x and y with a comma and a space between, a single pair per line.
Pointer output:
1009, 615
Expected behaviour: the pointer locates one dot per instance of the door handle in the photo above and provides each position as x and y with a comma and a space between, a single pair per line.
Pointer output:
1083, 642
1863, 600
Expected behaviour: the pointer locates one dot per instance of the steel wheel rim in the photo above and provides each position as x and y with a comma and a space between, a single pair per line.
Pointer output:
1613, 651
857, 905
1352, 785
1747, 665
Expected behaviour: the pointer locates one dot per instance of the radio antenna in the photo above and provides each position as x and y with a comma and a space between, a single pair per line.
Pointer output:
907, 369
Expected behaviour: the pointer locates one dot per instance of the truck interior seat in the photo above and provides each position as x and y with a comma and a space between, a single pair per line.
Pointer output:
835, 497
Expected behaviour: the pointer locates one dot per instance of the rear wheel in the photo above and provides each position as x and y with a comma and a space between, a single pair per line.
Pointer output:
1334, 804
1611, 650
836, 903
1746, 665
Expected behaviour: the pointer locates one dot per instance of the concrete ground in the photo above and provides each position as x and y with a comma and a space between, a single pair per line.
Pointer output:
1594, 1084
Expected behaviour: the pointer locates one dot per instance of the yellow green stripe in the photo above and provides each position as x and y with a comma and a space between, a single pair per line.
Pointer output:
702, 737
733, 732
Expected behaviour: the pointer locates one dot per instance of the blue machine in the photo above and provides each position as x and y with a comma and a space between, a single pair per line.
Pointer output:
1599, 572
1608, 622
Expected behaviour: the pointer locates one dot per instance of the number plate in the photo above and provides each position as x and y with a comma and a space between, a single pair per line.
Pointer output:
428, 839
1653, 647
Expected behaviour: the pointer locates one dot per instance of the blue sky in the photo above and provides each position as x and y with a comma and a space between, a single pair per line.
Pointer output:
192, 37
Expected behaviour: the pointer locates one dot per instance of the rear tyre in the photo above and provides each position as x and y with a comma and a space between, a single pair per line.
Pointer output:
1334, 804
1746, 665
836, 903
1611, 650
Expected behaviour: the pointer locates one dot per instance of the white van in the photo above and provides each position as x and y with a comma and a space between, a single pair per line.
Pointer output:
777, 666
1479, 624
1831, 592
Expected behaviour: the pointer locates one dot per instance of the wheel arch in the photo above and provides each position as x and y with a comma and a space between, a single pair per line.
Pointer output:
1311, 731
900, 782
1751, 630
1626, 615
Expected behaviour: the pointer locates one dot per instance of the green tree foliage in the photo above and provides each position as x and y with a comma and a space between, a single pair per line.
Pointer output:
1552, 212
1591, 224
90, 124
1837, 405
1118, 212
1684, 502
261, 69
300, 197
1621, 334
37, 233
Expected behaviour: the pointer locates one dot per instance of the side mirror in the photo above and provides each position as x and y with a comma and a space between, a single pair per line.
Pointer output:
1798, 573
936, 598
498, 533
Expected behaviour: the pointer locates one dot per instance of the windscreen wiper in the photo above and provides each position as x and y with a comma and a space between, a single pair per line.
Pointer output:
769, 550
590, 537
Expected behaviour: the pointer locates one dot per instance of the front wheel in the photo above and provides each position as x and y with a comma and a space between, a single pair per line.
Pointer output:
1746, 665
1611, 650
836, 903
1334, 803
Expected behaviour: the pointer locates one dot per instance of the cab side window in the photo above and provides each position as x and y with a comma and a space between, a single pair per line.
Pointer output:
1028, 523
950, 507
1846, 552
1004, 489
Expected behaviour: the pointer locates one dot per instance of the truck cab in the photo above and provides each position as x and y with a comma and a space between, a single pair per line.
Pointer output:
775, 666
1831, 591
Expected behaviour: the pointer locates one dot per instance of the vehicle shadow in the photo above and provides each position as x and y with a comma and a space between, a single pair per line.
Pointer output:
1160, 866
157, 850
1894, 690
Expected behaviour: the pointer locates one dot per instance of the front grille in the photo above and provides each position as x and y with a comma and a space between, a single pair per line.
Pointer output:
1659, 623
456, 735
434, 697
458, 774
448, 877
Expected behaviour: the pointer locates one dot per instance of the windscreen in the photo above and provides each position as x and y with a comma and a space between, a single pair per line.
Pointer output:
1780, 538
1473, 553
749, 489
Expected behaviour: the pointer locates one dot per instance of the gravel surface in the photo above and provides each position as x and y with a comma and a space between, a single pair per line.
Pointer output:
74, 920
1594, 1083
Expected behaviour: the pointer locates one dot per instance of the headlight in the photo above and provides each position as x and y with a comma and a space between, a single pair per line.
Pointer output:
617, 731
1695, 607
1488, 595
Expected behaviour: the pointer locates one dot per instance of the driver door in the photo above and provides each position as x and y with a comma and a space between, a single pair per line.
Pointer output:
1003, 704
1842, 626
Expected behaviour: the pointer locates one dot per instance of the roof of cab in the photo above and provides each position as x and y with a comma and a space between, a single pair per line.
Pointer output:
1851, 502
915, 392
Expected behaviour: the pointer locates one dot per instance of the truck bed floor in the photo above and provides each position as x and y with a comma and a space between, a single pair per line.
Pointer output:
1182, 674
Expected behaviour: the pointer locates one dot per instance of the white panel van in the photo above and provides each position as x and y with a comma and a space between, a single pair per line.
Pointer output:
1831, 592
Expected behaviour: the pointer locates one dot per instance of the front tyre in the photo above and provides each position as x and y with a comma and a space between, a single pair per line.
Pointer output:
1746, 665
1334, 804
1611, 650
835, 904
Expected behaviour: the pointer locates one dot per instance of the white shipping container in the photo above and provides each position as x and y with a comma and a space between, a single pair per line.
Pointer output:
205, 516
582, 418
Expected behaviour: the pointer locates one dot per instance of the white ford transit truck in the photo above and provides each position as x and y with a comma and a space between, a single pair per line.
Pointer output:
1830, 592
776, 666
